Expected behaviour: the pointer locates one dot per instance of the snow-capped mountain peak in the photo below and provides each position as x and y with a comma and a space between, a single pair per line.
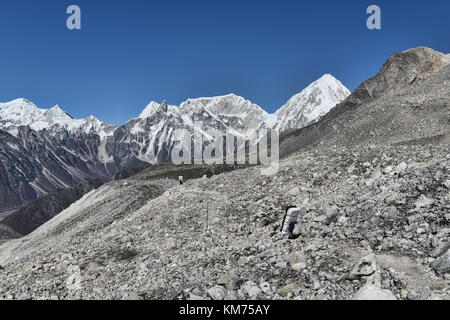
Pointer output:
19, 112
230, 104
149, 110
311, 104
56, 111
154, 107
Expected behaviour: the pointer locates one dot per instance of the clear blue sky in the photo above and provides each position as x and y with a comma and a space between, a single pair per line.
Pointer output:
131, 52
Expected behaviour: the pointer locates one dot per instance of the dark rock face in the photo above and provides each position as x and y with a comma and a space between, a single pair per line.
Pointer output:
6, 233
35, 213
36, 163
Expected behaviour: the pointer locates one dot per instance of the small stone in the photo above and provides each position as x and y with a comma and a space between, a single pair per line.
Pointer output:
440, 285
133, 297
401, 168
365, 267
387, 170
289, 288
195, 297
223, 280
242, 261
299, 266
404, 294
442, 264
371, 292
440, 250
376, 174
231, 296
332, 211
217, 293
251, 290
364, 243
265, 287
73, 282
446, 184
294, 191
316, 285
254, 292
295, 257
423, 201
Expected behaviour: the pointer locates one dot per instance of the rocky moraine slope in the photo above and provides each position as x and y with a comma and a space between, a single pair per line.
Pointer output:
371, 179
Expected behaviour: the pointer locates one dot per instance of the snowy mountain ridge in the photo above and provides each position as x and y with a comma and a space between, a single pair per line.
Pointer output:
301, 110
22, 112
231, 110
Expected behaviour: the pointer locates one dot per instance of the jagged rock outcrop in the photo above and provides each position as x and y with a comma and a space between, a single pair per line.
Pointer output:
401, 70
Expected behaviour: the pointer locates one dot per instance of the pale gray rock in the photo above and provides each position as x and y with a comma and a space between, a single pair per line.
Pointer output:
217, 293
442, 264
371, 292
423, 201
366, 266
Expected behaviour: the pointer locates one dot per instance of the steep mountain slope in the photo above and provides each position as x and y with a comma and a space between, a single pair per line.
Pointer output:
6, 233
35, 213
391, 107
